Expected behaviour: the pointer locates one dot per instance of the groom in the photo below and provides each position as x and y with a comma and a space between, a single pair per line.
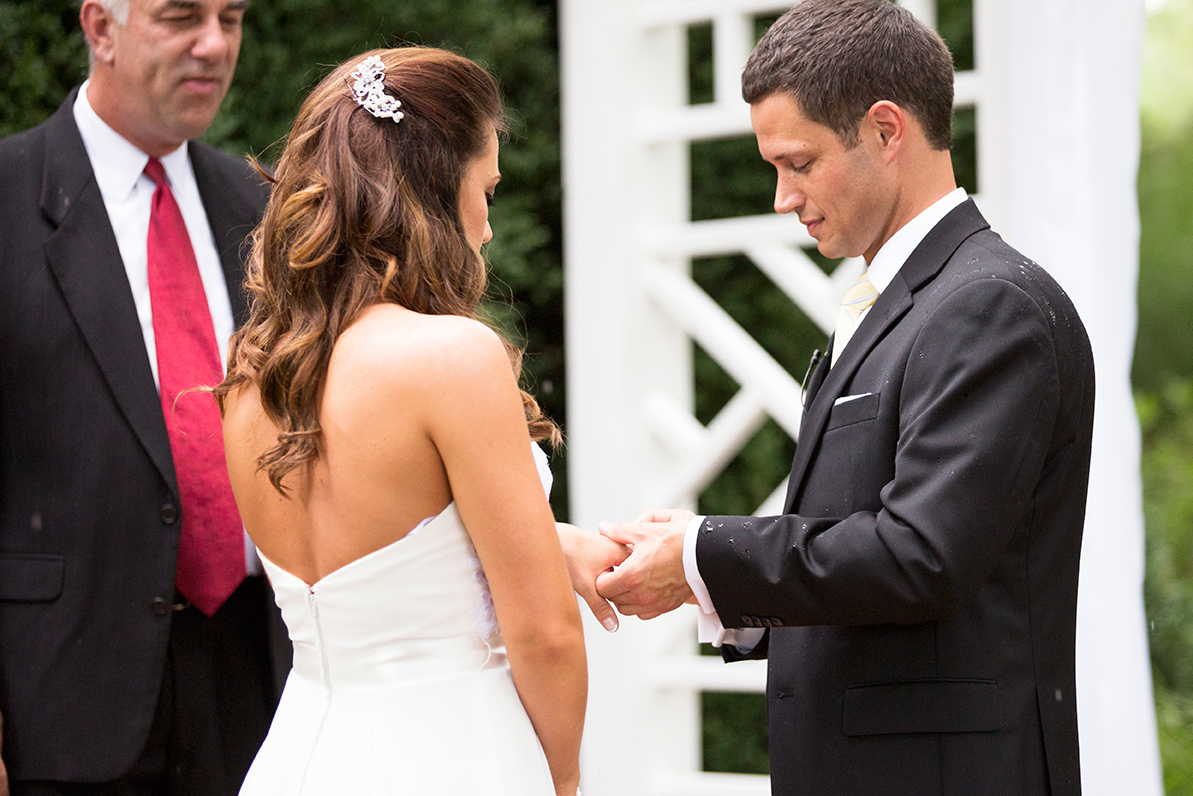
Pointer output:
917, 598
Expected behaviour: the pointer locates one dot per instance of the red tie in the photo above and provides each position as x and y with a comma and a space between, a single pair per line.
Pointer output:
211, 542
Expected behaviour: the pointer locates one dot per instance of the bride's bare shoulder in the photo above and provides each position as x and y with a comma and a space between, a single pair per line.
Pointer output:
395, 349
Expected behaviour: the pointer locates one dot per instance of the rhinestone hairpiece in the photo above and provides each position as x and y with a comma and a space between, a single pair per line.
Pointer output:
369, 88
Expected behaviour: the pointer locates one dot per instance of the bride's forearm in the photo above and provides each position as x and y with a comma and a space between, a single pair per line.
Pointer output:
551, 676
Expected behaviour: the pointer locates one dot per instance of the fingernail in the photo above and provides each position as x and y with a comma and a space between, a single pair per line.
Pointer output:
610, 624
604, 525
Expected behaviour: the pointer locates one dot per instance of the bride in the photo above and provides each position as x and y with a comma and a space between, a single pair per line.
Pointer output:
380, 452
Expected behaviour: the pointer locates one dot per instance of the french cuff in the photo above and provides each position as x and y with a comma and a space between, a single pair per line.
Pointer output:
709, 629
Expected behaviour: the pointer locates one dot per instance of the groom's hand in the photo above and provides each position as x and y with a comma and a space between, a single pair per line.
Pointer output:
588, 555
651, 581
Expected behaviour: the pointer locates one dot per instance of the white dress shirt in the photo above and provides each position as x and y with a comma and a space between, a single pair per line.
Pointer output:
119, 168
887, 262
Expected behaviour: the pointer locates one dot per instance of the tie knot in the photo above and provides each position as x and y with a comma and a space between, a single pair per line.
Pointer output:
155, 171
859, 297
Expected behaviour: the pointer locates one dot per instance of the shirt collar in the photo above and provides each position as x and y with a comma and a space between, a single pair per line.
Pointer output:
116, 161
898, 248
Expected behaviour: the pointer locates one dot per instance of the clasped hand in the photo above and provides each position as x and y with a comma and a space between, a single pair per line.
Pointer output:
638, 566
650, 581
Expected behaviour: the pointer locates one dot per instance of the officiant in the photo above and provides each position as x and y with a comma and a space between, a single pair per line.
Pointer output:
136, 653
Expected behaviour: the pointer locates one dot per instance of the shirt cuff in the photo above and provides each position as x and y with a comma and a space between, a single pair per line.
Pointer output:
709, 629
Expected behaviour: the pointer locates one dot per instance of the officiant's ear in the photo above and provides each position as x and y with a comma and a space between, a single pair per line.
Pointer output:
97, 22
885, 125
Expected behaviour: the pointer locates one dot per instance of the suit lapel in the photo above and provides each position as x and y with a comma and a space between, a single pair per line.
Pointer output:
85, 260
921, 267
226, 217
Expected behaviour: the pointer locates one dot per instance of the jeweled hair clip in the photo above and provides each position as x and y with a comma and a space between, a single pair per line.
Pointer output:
368, 87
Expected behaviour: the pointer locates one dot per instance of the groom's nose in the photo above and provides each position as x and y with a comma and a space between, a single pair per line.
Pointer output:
788, 197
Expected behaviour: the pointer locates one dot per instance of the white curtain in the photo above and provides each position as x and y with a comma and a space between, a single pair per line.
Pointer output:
1073, 70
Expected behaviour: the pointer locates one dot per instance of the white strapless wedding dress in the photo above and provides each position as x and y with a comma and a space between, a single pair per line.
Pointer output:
400, 682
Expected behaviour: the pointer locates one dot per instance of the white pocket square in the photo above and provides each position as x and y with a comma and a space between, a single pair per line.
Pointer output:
844, 399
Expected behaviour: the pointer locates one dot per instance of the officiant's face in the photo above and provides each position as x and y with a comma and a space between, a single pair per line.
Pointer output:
838, 192
166, 69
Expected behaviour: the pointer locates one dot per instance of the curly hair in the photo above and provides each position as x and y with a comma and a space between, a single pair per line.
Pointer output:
363, 211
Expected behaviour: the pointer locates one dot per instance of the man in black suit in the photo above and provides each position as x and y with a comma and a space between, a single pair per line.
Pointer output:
917, 598
112, 680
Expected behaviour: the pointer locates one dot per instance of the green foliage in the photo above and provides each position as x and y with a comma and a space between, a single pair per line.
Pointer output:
42, 56
1167, 421
1163, 375
700, 64
954, 21
1174, 720
734, 734
1164, 348
1166, 92
965, 148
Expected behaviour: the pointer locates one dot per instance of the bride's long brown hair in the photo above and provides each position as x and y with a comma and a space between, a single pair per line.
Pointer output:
364, 210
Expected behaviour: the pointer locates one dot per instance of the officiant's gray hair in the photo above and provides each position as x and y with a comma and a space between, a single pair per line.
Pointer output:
118, 9
836, 58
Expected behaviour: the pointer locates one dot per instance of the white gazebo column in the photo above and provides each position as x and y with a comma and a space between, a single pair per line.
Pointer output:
1073, 134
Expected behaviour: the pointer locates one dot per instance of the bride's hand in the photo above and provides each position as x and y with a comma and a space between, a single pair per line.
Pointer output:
588, 555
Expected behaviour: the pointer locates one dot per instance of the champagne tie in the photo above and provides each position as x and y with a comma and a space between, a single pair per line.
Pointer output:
856, 301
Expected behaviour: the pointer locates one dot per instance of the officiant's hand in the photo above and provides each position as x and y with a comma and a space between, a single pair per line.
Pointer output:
588, 555
651, 581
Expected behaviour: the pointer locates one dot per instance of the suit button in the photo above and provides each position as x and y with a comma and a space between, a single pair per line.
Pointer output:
159, 606
169, 513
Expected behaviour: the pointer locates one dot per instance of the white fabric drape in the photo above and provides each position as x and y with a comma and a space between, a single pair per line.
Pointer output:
1073, 69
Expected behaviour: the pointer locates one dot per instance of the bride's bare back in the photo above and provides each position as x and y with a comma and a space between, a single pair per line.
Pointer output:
399, 385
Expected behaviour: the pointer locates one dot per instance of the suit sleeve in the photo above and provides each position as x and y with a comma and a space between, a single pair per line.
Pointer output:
970, 428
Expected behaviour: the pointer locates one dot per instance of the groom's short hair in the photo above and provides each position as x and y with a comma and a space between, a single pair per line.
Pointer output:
836, 58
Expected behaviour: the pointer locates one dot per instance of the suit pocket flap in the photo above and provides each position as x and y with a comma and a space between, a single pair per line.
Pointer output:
923, 706
853, 411
31, 577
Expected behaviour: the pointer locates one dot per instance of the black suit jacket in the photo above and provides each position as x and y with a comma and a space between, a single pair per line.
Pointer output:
89, 503
921, 587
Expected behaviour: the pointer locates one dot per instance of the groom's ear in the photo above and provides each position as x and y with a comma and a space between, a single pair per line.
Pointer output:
884, 128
